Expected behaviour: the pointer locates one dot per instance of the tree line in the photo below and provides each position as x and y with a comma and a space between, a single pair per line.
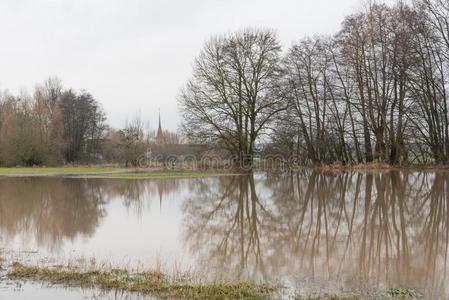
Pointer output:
50, 127
377, 90
56, 126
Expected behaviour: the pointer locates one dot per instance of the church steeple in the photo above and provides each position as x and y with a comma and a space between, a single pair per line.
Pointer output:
159, 130
160, 134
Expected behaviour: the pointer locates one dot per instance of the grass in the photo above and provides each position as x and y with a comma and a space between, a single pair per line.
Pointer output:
376, 167
329, 297
145, 283
364, 167
56, 171
404, 293
102, 172
156, 284
158, 175
393, 294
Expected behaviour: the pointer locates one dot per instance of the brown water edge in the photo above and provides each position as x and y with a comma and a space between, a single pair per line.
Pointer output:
24, 290
310, 230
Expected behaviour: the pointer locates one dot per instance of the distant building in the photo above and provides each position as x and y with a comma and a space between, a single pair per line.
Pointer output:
165, 145
160, 137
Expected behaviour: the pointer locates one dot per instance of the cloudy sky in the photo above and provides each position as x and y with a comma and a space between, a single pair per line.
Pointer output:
135, 55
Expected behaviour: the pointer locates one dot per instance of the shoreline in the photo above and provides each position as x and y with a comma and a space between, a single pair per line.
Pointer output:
147, 283
154, 283
118, 172
368, 168
100, 172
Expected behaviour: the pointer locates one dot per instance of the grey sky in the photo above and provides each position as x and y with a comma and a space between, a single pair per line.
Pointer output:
136, 54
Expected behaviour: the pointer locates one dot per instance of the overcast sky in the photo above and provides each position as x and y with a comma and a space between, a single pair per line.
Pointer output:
135, 55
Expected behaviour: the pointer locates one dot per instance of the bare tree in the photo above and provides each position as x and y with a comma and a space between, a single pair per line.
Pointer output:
430, 83
375, 91
134, 141
308, 91
231, 97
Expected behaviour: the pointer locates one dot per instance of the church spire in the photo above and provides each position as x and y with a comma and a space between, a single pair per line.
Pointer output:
159, 135
160, 126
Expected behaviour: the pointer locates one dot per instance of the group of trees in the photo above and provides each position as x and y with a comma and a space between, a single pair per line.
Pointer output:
52, 126
375, 91
134, 145
56, 126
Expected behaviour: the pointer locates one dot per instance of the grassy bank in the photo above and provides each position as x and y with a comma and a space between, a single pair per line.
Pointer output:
103, 172
158, 175
376, 167
145, 283
57, 171
156, 284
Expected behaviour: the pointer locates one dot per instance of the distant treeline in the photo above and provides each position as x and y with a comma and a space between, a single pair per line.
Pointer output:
50, 127
55, 126
377, 90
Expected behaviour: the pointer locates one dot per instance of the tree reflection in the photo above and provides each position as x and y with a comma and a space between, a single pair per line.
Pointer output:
351, 229
356, 230
225, 219
50, 211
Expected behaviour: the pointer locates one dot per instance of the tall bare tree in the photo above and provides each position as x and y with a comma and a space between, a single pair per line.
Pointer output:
231, 97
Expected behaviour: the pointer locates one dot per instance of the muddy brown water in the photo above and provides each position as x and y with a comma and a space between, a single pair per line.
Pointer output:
347, 231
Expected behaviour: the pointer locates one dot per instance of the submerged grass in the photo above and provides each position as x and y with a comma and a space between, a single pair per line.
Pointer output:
392, 294
146, 283
404, 293
157, 284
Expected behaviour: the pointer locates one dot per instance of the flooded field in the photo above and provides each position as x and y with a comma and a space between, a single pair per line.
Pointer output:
333, 232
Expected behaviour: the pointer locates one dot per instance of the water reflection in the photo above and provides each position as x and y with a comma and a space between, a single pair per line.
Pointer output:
49, 210
352, 230
348, 230
52, 211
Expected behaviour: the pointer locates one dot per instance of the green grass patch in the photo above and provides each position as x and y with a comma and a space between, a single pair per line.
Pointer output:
145, 283
327, 296
404, 293
56, 171
158, 175
103, 172
157, 284
391, 294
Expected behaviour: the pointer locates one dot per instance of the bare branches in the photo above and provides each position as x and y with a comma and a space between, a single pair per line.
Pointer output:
231, 97
51, 127
378, 90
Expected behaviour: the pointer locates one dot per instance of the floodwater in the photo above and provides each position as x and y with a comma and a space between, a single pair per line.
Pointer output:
345, 231
35, 291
